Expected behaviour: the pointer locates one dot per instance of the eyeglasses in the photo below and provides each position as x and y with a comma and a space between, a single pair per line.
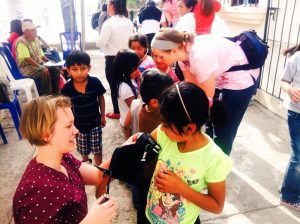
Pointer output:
106, 172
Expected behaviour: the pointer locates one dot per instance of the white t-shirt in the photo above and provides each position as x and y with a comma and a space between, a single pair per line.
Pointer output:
115, 34
125, 92
186, 23
291, 74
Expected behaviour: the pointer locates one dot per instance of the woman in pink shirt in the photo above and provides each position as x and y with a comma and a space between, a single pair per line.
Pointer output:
171, 12
204, 61
204, 15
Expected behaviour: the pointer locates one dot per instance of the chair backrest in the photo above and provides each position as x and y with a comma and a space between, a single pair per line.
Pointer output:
66, 44
10, 61
5, 68
6, 44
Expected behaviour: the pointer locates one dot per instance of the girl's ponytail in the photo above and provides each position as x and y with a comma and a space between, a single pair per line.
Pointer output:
188, 37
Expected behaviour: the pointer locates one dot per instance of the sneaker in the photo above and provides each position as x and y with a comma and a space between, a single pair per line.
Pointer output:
295, 205
113, 115
89, 161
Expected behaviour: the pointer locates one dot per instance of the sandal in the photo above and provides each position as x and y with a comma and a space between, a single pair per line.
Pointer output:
113, 115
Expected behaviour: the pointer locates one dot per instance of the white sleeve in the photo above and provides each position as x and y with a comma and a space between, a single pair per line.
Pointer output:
105, 34
125, 91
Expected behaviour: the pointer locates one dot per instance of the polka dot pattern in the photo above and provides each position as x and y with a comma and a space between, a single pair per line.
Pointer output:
45, 195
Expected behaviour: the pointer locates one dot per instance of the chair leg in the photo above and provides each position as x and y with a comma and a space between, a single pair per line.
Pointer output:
15, 114
35, 91
28, 94
3, 135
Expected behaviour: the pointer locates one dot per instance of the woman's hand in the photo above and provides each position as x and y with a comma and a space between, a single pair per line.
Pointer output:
167, 181
101, 212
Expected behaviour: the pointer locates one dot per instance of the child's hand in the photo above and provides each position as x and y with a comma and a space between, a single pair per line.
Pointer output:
294, 94
167, 181
132, 139
103, 121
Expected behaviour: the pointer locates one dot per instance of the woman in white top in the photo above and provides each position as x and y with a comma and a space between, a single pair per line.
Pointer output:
186, 20
114, 37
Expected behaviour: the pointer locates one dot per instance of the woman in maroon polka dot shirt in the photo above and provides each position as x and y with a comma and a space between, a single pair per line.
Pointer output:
52, 187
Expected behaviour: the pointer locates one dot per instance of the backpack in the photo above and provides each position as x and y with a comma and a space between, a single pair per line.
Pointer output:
95, 19
255, 49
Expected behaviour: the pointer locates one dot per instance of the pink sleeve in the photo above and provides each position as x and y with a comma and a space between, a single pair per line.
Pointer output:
168, 7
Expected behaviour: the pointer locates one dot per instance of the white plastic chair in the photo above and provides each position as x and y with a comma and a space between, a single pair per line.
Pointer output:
25, 84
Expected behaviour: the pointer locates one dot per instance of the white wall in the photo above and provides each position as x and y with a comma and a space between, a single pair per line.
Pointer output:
46, 13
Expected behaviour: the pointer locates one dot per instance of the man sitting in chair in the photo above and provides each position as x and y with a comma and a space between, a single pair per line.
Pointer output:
31, 59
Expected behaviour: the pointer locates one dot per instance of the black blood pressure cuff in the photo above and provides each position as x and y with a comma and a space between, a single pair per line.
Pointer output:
132, 163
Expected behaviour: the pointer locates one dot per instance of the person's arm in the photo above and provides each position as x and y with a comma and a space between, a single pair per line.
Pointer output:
102, 110
45, 59
105, 34
213, 201
293, 92
127, 125
208, 85
44, 43
129, 100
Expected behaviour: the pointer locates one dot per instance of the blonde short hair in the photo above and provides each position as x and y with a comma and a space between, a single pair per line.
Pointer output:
39, 116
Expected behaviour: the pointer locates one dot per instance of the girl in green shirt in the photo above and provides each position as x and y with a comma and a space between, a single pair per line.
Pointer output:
189, 161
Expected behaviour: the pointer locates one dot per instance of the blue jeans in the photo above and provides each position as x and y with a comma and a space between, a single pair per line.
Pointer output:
236, 103
291, 184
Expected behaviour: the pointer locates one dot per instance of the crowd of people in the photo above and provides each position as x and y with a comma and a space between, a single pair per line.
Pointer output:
170, 79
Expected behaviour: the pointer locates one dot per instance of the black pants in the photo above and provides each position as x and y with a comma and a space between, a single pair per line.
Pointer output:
47, 84
110, 79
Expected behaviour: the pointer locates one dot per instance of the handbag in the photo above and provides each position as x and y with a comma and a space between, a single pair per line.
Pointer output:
136, 162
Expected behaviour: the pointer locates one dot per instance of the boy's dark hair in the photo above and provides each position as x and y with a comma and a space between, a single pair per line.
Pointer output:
141, 38
196, 104
79, 58
125, 62
153, 83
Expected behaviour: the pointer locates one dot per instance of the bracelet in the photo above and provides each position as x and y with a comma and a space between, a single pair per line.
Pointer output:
40, 67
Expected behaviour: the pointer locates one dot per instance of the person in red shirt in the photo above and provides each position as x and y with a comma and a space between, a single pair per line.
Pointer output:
204, 15
51, 189
15, 32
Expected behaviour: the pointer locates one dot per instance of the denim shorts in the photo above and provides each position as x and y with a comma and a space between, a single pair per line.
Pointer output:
90, 142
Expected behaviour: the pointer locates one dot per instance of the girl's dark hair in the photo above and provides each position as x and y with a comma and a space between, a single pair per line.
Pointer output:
141, 38
126, 61
153, 83
16, 26
196, 104
79, 58
190, 4
206, 7
292, 50
120, 7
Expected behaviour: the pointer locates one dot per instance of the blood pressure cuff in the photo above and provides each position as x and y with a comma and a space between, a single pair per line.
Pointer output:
136, 162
